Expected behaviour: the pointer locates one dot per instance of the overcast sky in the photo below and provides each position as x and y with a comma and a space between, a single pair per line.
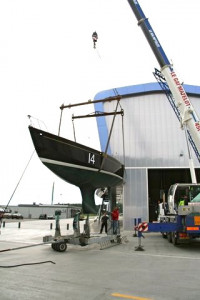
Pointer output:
47, 58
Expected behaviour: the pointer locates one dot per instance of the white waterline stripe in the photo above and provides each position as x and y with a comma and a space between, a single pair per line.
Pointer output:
60, 163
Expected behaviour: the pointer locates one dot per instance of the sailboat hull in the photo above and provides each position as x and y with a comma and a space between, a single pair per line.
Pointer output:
77, 164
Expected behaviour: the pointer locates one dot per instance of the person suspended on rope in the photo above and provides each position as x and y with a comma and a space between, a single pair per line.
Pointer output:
94, 38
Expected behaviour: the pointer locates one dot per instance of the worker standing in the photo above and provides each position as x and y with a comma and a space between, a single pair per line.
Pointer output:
115, 218
1, 217
104, 220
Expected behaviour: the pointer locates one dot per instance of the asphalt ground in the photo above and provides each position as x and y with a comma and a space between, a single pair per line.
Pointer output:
160, 272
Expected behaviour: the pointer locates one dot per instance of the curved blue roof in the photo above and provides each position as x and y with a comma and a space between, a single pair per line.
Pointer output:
142, 89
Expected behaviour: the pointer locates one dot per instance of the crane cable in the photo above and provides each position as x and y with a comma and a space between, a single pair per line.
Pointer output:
98, 53
108, 141
123, 142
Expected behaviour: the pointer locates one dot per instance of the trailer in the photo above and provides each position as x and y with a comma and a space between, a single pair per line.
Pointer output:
59, 242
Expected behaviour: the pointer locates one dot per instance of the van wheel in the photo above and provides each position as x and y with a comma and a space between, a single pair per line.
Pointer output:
175, 238
169, 237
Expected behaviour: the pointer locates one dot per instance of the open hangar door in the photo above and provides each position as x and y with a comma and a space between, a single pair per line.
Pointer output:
159, 181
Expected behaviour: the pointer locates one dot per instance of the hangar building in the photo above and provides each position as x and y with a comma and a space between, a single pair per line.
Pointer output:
154, 149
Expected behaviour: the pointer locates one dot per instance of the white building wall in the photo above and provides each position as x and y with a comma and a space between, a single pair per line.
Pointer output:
153, 139
34, 211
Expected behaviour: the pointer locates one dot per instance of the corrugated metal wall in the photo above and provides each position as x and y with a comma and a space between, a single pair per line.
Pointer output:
152, 133
135, 197
153, 139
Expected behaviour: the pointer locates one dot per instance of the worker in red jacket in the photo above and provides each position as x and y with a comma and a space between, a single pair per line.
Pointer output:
115, 218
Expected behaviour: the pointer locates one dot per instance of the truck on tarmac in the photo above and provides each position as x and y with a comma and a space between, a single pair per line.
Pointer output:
179, 217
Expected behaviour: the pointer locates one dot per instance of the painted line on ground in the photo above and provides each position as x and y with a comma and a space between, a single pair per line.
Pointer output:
170, 256
159, 255
129, 297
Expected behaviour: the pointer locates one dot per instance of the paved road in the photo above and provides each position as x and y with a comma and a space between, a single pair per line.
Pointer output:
161, 272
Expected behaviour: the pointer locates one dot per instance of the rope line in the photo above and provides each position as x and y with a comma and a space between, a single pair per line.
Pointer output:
29, 264
19, 180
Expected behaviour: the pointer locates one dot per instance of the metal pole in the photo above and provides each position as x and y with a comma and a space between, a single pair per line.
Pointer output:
73, 128
60, 121
52, 194
135, 224
191, 162
91, 102
139, 247
105, 154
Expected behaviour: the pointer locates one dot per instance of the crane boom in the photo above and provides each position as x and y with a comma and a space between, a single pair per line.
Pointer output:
188, 116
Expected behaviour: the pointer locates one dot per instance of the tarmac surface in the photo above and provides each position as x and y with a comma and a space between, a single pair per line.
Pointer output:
160, 272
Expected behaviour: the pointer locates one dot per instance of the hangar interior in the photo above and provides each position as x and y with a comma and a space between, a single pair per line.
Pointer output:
159, 181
